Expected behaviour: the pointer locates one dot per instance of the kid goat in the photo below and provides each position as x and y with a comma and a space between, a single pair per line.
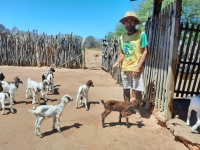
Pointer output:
194, 105
2, 77
46, 111
49, 77
3, 98
11, 87
83, 93
36, 88
124, 108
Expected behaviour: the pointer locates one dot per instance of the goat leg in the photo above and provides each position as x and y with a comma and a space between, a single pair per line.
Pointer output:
54, 121
27, 93
194, 127
11, 109
43, 95
127, 123
3, 109
102, 119
39, 133
86, 103
58, 123
77, 98
33, 103
36, 122
120, 117
188, 117
104, 115
39, 101
40, 119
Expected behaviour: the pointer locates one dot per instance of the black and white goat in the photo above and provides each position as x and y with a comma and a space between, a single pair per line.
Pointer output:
194, 105
1, 88
49, 77
3, 98
11, 87
2, 77
32, 85
47, 111
83, 93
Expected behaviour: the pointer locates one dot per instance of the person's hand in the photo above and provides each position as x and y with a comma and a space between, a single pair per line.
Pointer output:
136, 71
116, 65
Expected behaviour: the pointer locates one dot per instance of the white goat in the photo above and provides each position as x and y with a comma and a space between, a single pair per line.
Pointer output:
32, 84
194, 105
47, 111
5, 97
11, 87
83, 93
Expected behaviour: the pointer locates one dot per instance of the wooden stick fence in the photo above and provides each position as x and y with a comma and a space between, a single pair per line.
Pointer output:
30, 49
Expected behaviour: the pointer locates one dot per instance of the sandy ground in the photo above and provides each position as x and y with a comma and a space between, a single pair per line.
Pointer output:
81, 129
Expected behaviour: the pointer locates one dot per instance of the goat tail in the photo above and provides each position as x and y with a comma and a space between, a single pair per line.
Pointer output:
31, 111
102, 101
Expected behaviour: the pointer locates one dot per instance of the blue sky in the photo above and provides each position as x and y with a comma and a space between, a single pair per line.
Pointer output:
85, 18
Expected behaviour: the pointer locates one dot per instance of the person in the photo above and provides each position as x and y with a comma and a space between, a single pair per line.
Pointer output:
133, 52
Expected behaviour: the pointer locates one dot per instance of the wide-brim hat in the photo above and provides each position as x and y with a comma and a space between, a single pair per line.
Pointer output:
130, 15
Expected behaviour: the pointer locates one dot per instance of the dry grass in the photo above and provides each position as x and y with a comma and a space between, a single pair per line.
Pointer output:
93, 58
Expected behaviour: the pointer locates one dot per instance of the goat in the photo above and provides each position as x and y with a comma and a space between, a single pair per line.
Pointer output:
49, 77
124, 108
83, 93
194, 105
11, 87
31, 84
46, 111
3, 98
2, 77
37, 94
1, 88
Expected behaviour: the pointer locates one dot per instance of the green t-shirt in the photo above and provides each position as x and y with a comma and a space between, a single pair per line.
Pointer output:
132, 48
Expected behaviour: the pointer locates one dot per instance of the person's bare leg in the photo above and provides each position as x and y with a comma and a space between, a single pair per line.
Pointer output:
133, 93
127, 95
138, 96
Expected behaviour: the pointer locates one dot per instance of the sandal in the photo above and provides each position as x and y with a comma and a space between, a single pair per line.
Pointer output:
139, 119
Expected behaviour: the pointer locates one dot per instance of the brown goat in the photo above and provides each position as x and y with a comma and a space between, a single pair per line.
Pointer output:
123, 108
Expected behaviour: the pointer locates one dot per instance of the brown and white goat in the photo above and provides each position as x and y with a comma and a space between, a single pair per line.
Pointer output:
11, 86
83, 93
124, 108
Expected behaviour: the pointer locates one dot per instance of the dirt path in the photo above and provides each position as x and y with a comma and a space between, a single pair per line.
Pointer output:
81, 129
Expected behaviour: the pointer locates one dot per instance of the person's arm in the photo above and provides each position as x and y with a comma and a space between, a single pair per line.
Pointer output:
119, 60
142, 59
137, 69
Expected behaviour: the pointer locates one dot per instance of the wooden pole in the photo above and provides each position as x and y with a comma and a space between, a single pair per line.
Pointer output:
83, 54
173, 48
